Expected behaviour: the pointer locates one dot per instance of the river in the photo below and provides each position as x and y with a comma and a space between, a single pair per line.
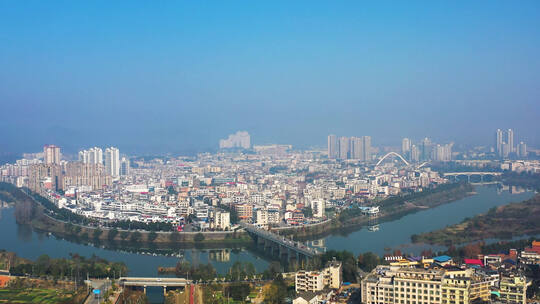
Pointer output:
396, 234
393, 234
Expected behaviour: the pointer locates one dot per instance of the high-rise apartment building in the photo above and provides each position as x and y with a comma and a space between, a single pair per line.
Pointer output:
80, 174
499, 142
344, 147
124, 166
406, 148
426, 148
240, 139
442, 152
357, 148
510, 140
415, 153
112, 161
367, 148
522, 150
91, 156
332, 146
503, 148
44, 176
51, 154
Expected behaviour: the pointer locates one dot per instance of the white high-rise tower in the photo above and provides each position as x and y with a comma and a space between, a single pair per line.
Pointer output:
510, 141
112, 161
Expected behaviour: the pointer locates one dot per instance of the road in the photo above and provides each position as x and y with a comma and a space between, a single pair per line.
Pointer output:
103, 286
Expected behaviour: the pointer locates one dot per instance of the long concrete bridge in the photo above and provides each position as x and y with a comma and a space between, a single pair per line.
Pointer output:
279, 245
139, 282
469, 174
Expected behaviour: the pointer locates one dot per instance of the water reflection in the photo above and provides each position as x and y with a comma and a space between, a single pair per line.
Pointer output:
143, 259
373, 224
397, 231
220, 255
24, 232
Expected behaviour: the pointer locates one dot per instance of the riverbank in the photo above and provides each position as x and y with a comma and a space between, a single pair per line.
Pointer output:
30, 211
390, 209
347, 221
504, 222
120, 236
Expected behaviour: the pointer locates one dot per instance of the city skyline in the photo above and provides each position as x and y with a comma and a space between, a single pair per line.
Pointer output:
288, 73
270, 152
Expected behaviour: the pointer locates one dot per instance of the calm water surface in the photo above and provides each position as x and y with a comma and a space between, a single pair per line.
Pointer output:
397, 233
392, 234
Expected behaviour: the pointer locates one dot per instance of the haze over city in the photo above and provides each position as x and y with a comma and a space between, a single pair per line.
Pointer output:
177, 77
270, 152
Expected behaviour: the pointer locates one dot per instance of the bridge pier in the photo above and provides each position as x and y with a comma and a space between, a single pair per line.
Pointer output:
260, 241
283, 252
164, 290
269, 247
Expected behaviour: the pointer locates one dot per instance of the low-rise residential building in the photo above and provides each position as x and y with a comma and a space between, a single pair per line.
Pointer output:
513, 290
314, 281
411, 285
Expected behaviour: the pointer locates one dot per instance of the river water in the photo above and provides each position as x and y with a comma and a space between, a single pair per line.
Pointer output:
393, 234
396, 234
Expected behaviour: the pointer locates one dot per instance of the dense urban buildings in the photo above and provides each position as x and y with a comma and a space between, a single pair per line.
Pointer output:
275, 187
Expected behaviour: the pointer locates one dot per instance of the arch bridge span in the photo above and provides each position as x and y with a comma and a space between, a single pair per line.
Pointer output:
392, 154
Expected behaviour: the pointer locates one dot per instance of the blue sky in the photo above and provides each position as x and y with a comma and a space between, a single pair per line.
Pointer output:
157, 77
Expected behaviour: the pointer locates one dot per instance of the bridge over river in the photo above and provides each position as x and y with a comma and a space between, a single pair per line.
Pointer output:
279, 245
469, 174
140, 282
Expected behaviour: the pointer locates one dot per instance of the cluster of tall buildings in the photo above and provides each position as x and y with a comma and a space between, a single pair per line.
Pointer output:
504, 148
51, 154
349, 147
114, 165
240, 139
93, 170
426, 150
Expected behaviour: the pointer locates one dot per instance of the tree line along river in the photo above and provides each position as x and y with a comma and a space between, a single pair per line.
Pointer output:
392, 234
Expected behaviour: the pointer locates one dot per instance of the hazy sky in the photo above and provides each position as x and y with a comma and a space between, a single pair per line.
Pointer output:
156, 76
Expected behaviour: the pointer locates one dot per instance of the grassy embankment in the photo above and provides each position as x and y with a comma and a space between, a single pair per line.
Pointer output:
29, 210
40, 295
390, 209
504, 222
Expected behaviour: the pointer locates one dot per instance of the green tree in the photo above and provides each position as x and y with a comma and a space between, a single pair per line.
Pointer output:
112, 234
124, 235
199, 237
97, 233
152, 236
135, 237
238, 291
174, 236
277, 292
308, 212
182, 269
368, 261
